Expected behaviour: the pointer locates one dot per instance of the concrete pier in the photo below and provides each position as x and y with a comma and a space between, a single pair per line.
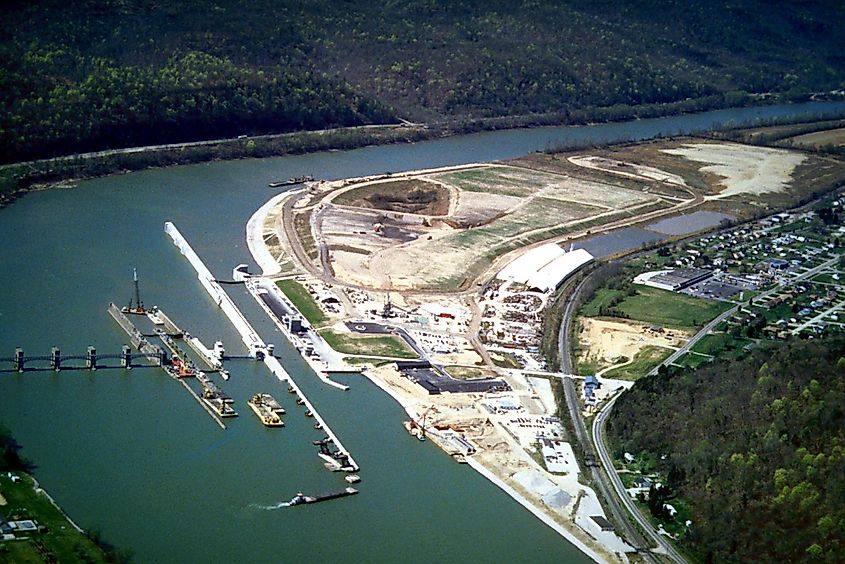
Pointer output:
206, 354
155, 354
259, 288
254, 343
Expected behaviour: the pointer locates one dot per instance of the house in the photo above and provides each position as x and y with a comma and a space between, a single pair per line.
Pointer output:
5, 527
642, 483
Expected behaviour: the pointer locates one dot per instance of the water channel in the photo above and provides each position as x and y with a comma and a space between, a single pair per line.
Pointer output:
129, 453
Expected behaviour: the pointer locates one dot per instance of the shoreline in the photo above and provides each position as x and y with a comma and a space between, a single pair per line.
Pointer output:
260, 254
19, 178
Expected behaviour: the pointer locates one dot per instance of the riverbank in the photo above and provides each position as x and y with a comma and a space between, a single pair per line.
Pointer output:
16, 179
40, 530
497, 451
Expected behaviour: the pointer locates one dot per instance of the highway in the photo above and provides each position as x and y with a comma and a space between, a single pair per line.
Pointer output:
628, 533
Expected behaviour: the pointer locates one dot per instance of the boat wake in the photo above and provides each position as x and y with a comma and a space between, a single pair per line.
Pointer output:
279, 505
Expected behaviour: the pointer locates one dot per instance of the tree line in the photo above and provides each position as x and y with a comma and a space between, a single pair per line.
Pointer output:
756, 447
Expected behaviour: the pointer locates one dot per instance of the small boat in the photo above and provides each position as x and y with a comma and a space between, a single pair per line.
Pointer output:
353, 478
309, 414
300, 401
318, 426
291, 390
224, 374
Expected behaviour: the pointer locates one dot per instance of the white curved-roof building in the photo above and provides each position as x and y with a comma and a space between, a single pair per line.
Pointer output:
526, 266
545, 267
549, 277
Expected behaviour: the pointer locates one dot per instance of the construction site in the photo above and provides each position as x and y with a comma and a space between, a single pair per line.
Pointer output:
436, 282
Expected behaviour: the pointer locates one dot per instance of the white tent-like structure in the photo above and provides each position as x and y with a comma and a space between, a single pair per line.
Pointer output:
544, 268
521, 269
548, 278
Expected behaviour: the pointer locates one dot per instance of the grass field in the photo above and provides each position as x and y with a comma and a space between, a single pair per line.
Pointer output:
302, 225
644, 361
692, 360
303, 301
602, 298
722, 345
468, 373
670, 309
382, 345
356, 361
60, 542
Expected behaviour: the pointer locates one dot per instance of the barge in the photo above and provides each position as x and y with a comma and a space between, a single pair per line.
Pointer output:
291, 181
263, 406
220, 407
301, 499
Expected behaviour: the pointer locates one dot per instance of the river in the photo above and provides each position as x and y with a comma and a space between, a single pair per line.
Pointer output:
129, 453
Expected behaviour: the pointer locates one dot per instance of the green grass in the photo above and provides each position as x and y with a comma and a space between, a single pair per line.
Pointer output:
505, 360
468, 373
59, 543
587, 366
691, 360
356, 361
721, 344
647, 358
825, 278
601, 299
382, 345
303, 301
661, 307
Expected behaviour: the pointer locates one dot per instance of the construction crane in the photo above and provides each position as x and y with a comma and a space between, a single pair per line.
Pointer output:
423, 417
139, 305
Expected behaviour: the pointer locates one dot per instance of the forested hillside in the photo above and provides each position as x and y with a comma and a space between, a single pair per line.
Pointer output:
96, 74
756, 447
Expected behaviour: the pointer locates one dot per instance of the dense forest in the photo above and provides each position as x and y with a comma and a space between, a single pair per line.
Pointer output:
95, 74
756, 448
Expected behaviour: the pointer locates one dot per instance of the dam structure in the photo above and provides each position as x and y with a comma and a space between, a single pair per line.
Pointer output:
258, 349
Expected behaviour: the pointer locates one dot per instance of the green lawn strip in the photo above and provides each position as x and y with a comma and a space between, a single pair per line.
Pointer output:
303, 301
505, 360
358, 361
661, 307
647, 358
602, 299
693, 360
382, 345
588, 366
468, 373
720, 344
60, 542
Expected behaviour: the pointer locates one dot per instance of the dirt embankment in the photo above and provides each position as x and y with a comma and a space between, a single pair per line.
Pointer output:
613, 342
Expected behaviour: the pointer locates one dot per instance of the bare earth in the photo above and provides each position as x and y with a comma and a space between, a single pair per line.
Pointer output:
608, 341
745, 169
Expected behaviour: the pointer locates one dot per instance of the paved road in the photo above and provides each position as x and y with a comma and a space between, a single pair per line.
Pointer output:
619, 488
710, 326
629, 533
601, 482
167, 146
